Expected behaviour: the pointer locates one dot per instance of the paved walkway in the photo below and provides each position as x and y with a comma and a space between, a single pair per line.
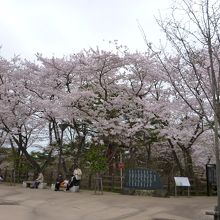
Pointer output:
43, 204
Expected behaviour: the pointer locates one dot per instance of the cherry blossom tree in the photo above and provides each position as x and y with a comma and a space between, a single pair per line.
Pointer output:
18, 113
120, 100
193, 67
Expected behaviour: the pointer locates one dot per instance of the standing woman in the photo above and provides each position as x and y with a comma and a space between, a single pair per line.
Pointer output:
77, 173
75, 178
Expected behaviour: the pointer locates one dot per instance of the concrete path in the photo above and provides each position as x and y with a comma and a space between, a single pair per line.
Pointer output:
43, 204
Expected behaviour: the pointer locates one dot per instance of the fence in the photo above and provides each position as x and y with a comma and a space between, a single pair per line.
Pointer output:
110, 182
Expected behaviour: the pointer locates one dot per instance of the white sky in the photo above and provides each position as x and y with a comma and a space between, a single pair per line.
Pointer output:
60, 27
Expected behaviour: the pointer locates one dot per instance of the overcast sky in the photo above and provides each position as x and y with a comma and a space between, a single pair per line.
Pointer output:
60, 27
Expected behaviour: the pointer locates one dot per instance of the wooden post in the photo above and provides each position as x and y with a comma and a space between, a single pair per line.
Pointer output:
121, 171
98, 184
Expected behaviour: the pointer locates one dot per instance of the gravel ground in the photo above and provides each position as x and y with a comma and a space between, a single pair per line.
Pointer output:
21, 203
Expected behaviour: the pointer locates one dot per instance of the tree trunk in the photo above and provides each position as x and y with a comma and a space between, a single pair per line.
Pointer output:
189, 171
23, 149
176, 159
110, 155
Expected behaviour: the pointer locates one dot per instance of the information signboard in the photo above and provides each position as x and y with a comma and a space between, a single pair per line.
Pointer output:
121, 165
138, 178
182, 181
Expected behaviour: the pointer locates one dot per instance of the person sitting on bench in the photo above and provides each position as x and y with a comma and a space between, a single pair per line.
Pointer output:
72, 182
40, 179
59, 180
1, 178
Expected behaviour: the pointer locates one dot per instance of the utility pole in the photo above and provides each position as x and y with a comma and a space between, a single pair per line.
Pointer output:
217, 209
216, 141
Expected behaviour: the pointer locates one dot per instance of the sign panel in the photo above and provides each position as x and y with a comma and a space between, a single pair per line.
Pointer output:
121, 165
139, 178
182, 181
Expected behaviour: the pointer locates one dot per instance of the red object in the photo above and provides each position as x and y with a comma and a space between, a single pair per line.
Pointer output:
121, 165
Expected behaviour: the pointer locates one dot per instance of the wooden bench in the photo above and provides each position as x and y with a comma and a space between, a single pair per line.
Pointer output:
29, 184
62, 187
42, 186
74, 189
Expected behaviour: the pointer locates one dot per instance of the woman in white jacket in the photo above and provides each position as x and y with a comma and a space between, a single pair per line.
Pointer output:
77, 173
76, 177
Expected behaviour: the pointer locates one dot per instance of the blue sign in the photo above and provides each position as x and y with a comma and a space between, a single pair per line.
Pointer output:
139, 178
